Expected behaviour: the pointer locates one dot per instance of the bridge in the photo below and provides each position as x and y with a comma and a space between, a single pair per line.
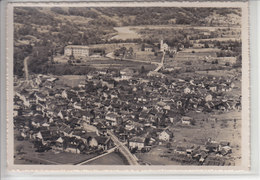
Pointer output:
131, 159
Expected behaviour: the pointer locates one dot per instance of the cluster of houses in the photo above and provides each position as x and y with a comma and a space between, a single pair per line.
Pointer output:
138, 110
212, 153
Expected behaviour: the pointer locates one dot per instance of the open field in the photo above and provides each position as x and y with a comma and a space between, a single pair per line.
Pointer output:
118, 64
200, 50
194, 54
125, 33
220, 127
148, 56
154, 157
70, 80
110, 159
221, 39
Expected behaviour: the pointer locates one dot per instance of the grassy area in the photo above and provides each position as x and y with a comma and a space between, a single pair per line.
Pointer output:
65, 158
118, 64
154, 157
110, 159
70, 80
224, 126
148, 56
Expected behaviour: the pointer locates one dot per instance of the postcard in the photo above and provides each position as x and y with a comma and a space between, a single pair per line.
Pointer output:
156, 87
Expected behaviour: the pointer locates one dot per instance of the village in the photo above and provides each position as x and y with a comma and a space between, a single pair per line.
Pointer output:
109, 86
141, 111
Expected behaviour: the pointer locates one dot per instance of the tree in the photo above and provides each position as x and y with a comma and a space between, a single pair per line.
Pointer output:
142, 47
193, 122
142, 70
227, 64
131, 51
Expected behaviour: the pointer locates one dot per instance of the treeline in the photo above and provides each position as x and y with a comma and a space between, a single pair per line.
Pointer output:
65, 69
164, 15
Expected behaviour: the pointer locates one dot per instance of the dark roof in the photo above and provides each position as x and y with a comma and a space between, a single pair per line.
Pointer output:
102, 140
137, 139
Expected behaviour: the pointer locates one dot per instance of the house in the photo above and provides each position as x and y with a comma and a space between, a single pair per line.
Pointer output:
32, 99
72, 148
213, 88
104, 142
186, 120
40, 97
179, 104
180, 150
198, 45
212, 146
208, 98
148, 48
163, 46
137, 142
92, 141
126, 74
90, 138
187, 90
48, 84
77, 106
165, 135
59, 144
66, 130
111, 119
77, 51
64, 94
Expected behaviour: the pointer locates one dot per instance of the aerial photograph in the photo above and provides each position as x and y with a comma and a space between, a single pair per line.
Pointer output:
127, 86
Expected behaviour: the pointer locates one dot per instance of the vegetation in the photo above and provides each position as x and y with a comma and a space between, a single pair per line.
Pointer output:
46, 31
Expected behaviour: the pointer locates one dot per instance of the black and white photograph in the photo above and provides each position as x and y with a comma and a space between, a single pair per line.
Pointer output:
129, 86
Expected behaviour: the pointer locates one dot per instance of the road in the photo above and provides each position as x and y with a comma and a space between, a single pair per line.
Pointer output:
25, 64
132, 160
160, 65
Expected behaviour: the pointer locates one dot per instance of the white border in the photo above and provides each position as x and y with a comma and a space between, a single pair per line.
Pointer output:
245, 164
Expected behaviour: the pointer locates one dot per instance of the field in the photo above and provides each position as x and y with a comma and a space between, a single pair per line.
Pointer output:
120, 64
125, 33
110, 159
148, 56
154, 157
70, 80
227, 127
192, 54
220, 127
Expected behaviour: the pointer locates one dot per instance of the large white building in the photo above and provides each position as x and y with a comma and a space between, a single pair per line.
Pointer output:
76, 51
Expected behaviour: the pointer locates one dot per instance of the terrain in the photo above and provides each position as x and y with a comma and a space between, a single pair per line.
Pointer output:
42, 33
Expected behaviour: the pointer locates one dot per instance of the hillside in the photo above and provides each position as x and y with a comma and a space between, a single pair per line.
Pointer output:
43, 32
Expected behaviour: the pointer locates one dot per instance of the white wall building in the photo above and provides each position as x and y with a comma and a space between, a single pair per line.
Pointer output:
76, 51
